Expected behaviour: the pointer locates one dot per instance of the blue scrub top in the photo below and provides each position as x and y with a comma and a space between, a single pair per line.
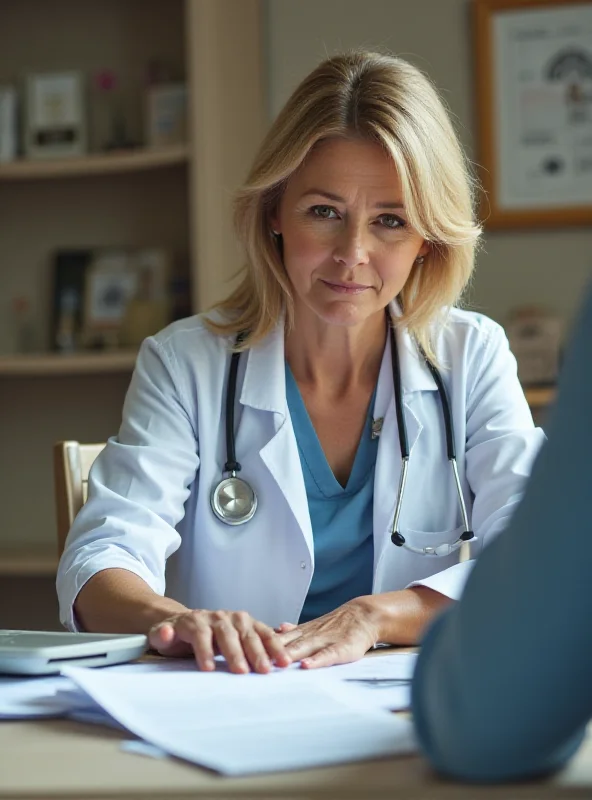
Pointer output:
341, 517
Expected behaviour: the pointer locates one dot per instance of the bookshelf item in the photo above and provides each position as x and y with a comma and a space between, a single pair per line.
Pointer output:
166, 114
8, 124
55, 119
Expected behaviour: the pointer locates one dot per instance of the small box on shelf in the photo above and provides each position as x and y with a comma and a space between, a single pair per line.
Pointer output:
535, 339
8, 124
166, 114
55, 118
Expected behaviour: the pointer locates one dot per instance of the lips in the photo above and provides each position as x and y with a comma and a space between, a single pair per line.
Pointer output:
343, 287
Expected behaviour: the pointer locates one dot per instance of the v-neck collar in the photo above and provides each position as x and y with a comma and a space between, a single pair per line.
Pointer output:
314, 455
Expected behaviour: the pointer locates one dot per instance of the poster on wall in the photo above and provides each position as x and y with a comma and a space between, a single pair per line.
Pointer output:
534, 87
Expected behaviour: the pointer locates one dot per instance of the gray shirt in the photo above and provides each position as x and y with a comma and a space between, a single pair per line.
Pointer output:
503, 686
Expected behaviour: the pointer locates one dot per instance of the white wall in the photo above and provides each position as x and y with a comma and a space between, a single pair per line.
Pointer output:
519, 267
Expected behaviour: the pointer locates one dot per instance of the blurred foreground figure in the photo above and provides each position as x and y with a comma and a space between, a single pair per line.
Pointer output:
503, 687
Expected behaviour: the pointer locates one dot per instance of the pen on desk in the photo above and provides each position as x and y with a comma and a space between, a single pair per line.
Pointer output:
384, 681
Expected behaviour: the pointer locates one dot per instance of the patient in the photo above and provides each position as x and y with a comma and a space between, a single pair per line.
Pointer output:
503, 686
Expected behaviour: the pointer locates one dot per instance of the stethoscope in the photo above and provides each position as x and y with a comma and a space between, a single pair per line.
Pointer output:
234, 501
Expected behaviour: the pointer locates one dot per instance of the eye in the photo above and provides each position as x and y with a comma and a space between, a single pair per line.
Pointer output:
391, 221
324, 212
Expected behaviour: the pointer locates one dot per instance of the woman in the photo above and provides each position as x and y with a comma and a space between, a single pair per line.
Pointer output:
359, 233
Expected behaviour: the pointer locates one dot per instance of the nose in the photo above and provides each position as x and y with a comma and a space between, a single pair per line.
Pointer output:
351, 247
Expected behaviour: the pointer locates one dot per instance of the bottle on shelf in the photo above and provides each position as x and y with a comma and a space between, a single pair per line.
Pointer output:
23, 325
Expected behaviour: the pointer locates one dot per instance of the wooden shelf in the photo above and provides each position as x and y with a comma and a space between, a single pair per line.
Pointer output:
95, 164
47, 364
32, 561
540, 397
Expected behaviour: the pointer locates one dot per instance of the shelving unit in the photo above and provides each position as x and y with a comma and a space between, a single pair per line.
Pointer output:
54, 364
178, 198
95, 164
34, 561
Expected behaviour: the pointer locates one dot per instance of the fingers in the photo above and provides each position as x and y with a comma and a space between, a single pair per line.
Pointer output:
229, 642
273, 645
291, 634
183, 634
285, 627
255, 651
327, 657
244, 642
260, 644
202, 642
306, 646
164, 639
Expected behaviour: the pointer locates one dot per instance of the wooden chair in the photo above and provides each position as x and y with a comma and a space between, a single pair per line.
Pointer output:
72, 462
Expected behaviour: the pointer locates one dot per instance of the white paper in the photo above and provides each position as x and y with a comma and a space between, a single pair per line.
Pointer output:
30, 697
22, 697
396, 666
382, 682
242, 724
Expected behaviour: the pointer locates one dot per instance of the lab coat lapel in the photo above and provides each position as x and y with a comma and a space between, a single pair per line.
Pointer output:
264, 388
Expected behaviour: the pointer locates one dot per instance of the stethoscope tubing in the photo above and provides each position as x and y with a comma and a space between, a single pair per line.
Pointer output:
235, 490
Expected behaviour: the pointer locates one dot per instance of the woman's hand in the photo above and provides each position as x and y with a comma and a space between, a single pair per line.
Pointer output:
347, 633
244, 642
344, 635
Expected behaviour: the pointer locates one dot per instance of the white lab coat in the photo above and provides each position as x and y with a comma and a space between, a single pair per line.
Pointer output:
149, 491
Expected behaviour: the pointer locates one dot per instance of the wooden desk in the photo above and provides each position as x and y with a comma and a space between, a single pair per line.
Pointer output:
63, 759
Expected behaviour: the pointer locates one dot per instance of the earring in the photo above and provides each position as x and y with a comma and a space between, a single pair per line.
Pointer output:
275, 233
419, 260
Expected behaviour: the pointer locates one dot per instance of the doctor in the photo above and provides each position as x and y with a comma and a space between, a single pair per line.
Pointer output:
306, 485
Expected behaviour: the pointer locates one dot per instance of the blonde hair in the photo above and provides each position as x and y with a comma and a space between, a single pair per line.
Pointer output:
388, 101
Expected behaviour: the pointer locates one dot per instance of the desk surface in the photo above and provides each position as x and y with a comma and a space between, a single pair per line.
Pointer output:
63, 759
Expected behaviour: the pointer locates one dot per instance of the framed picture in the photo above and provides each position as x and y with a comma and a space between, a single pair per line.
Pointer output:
148, 310
534, 102
153, 269
109, 285
55, 124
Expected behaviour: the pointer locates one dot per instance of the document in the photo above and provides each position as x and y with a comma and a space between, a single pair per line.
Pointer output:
245, 724
395, 666
382, 681
22, 698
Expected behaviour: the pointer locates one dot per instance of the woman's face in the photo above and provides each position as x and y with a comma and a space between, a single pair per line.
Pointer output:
348, 248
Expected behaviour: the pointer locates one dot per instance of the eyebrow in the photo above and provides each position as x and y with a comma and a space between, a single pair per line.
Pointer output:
337, 199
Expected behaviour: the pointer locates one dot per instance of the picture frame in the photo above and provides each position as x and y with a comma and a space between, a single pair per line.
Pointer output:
166, 115
55, 120
110, 283
153, 268
534, 104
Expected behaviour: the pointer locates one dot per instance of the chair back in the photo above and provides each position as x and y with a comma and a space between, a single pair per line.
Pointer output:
72, 462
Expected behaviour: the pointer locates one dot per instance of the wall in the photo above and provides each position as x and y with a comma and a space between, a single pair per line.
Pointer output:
530, 266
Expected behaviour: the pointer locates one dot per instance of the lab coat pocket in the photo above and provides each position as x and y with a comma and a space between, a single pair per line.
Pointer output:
400, 566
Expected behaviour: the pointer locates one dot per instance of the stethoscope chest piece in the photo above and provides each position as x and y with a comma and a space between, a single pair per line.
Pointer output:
233, 501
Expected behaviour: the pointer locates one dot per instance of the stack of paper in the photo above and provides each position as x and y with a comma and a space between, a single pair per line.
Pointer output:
241, 724
235, 724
